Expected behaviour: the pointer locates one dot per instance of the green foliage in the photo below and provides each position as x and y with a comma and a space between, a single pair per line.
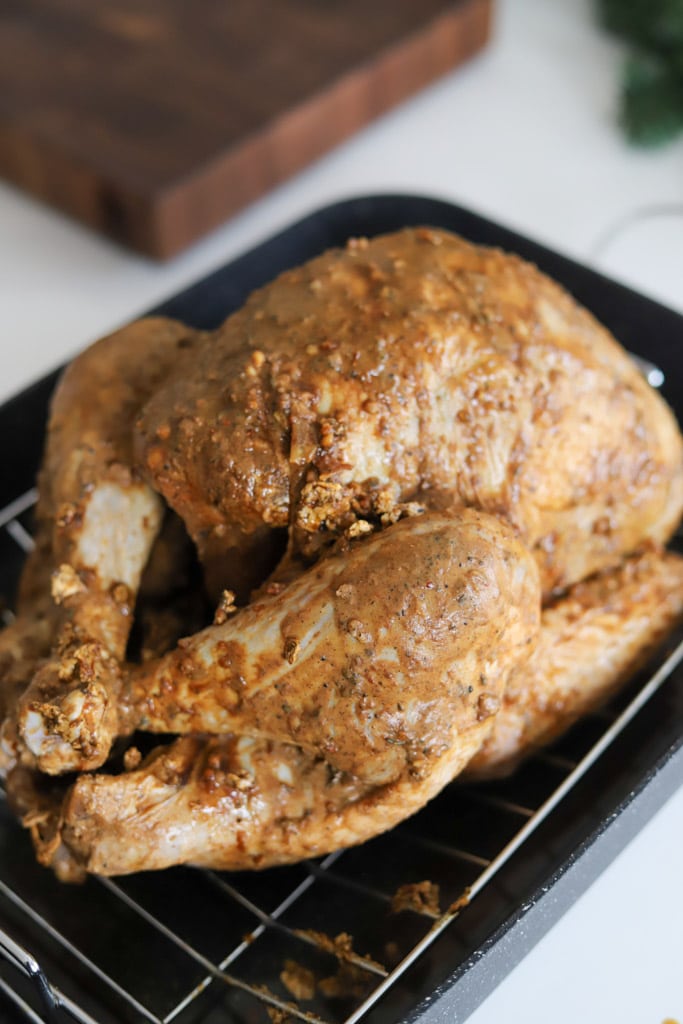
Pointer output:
652, 92
652, 101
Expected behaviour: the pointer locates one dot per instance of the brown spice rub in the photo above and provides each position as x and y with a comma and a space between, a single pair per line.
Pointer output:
420, 897
413, 366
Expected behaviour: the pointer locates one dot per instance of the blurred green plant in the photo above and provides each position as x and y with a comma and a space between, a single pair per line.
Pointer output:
652, 90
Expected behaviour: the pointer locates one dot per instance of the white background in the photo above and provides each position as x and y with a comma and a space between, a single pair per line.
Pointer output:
526, 135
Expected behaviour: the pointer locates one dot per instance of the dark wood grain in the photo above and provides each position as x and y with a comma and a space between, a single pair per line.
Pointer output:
153, 120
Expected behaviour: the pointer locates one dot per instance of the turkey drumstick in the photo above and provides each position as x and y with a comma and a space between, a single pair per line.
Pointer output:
101, 520
376, 658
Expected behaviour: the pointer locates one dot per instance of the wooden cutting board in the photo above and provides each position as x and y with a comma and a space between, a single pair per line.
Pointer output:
153, 120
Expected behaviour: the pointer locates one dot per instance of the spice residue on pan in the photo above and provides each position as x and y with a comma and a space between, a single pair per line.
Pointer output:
421, 897
298, 980
279, 1016
349, 982
461, 902
340, 946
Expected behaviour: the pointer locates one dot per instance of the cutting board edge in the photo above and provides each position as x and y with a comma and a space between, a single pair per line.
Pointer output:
160, 223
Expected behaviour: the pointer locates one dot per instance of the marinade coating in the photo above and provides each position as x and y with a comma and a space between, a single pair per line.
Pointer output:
412, 367
591, 641
375, 659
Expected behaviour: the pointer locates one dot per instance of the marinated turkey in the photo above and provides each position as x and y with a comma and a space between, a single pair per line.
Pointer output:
390, 458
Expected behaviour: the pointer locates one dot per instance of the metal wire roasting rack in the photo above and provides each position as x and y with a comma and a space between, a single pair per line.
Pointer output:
321, 942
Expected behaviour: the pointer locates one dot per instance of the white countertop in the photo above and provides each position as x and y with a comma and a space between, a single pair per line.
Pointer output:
525, 135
